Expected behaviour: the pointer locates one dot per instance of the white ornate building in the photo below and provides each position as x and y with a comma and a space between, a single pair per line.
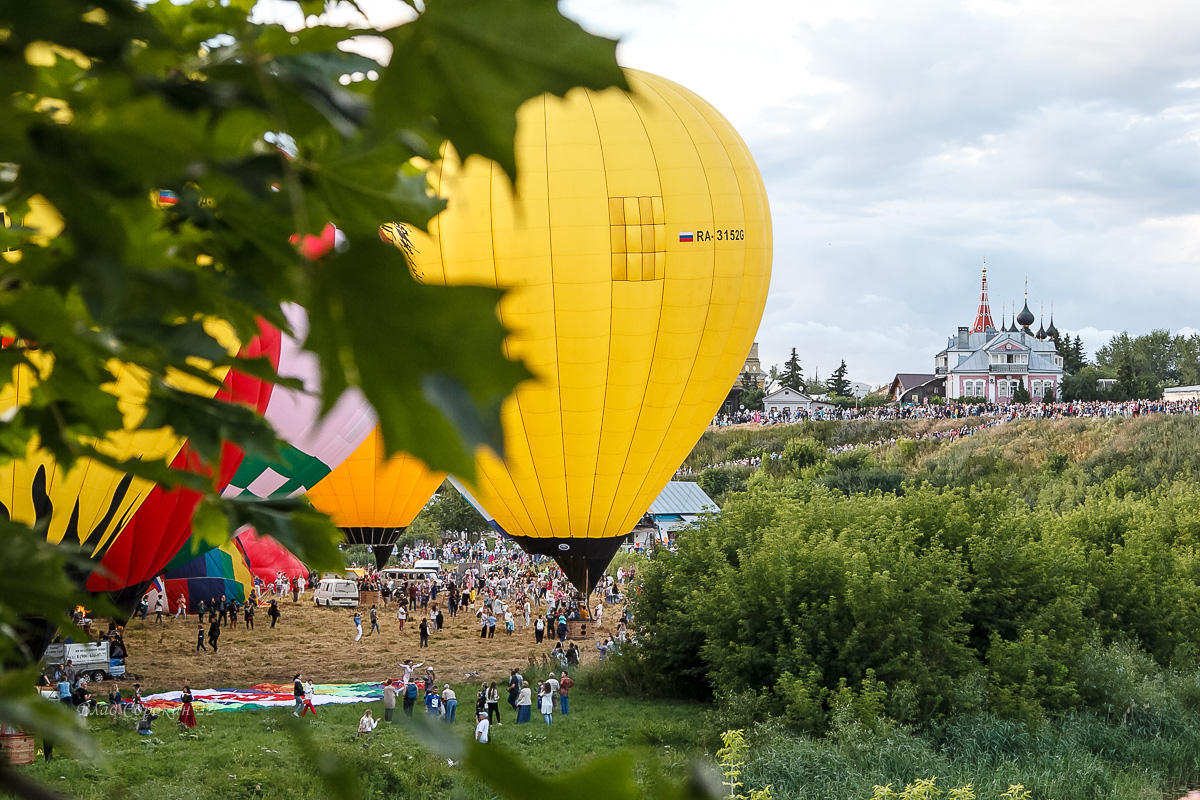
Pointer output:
990, 363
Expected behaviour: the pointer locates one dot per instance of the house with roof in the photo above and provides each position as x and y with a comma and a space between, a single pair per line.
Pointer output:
989, 363
1180, 393
904, 383
678, 506
791, 401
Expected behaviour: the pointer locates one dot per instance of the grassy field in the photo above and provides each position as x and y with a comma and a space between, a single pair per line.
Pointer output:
261, 754
257, 754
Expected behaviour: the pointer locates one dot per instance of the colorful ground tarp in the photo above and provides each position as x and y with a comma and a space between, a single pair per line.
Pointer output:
267, 695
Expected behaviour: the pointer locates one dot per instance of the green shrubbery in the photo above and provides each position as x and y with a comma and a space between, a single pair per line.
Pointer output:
930, 604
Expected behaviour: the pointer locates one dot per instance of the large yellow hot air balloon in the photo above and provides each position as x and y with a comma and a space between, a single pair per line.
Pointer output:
373, 498
638, 244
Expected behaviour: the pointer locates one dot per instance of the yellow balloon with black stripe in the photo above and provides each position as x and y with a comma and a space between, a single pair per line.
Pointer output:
637, 245
88, 504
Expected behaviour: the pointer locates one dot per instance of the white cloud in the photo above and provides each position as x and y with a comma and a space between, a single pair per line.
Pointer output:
903, 142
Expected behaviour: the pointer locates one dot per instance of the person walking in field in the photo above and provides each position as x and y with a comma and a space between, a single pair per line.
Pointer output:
357, 626
187, 716
181, 608
366, 725
214, 633
374, 622
308, 699
249, 616
514, 688
493, 702
200, 638
449, 702
546, 701
389, 700
401, 616
564, 689
524, 702
297, 695
158, 609
273, 612
410, 698
539, 630
424, 630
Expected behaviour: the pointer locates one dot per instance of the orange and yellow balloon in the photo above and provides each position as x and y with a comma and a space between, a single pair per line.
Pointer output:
373, 498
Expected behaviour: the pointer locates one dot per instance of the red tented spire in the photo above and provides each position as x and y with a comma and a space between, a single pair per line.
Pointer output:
983, 317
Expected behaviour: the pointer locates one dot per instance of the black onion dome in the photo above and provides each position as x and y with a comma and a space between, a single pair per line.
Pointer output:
1041, 334
1025, 318
1052, 331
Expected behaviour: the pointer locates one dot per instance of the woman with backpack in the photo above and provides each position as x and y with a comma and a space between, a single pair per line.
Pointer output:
410, 697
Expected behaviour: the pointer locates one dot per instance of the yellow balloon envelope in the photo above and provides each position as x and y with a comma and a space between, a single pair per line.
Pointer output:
638, 247
88, 504
373, 498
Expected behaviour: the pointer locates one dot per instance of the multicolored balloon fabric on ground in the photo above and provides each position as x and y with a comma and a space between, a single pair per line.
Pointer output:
267, 695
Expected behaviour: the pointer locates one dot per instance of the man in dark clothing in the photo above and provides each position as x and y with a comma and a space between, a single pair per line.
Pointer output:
214, 633
297, 687
273, 613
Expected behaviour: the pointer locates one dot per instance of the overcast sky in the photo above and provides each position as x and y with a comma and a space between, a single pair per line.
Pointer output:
902, 143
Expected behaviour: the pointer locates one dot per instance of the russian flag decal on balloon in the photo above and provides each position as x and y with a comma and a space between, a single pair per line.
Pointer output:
685, 236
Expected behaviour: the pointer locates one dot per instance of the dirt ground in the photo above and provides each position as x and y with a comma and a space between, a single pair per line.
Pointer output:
319, 642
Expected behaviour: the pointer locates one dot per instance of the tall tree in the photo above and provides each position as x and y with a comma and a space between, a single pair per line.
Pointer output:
1126, 377
1079, 353
838, 385
792, 377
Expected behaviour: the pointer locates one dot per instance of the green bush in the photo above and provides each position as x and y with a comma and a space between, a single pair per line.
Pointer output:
800, 453
959, 601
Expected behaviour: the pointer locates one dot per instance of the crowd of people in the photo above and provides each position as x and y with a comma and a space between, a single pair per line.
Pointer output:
978, 416
955, 410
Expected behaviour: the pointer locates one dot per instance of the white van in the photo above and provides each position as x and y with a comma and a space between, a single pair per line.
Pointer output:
399, 575
336, 592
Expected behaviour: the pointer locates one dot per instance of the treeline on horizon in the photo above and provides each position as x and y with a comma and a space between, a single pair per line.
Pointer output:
1032, 569
1142, 367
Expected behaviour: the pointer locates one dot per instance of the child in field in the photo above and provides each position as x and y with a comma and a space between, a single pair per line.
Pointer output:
433, 702
200, 639
143, 726
367, 724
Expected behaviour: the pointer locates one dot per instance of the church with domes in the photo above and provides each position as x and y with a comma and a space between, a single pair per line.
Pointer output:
989, 363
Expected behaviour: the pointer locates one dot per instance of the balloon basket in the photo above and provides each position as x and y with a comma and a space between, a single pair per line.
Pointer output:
581, 629
17, 749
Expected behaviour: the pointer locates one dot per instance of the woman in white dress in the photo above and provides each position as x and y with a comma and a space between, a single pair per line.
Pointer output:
546, 702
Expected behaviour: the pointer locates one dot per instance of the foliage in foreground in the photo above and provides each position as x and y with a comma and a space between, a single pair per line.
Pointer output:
249, 125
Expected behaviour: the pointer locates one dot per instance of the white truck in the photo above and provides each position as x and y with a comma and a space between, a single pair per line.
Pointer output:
91, 659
